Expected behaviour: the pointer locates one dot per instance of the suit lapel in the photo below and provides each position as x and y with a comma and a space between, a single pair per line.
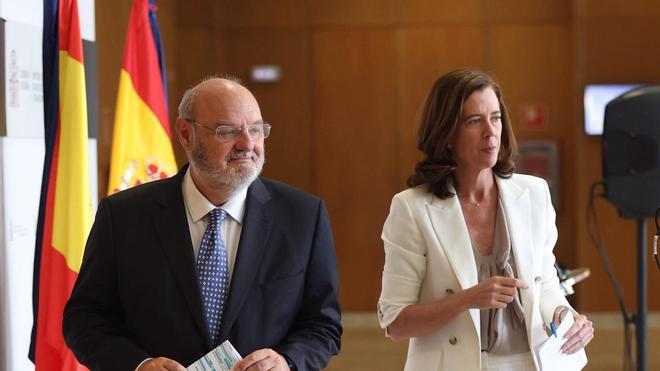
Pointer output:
255, 231
516, 204
449, 225
171, 225
450, 228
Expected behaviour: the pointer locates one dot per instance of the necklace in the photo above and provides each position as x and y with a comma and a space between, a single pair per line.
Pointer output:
470, 202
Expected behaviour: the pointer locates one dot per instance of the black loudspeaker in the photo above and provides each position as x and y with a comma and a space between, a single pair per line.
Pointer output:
631, 156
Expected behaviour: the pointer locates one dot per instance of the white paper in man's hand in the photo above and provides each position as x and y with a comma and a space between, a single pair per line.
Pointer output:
549, 352
221, 358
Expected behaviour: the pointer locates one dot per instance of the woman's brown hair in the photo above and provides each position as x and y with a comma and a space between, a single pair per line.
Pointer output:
440, 119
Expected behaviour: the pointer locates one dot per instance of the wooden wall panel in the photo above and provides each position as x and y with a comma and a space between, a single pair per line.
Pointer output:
198, 13
424, 54
202, 55
443, 12
286, 104
529, 11
258, 13
617, 9
356, 150
621, 50
353, 12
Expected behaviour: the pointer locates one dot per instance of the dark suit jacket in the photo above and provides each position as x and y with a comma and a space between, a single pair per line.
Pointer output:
137, 294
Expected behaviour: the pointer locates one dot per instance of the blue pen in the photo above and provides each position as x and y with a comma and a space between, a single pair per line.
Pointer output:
553, 329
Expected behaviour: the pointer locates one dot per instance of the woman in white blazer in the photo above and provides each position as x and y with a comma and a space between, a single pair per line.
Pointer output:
469, 271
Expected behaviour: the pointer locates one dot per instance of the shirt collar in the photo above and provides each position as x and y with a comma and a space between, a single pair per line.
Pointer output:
199, 206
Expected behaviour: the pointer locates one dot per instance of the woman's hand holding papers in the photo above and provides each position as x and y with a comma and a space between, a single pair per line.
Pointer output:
579, 335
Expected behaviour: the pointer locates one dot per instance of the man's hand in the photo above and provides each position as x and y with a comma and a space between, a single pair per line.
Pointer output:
160, 364
261, 360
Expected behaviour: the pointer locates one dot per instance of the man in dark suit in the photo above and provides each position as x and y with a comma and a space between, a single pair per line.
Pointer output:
141, 301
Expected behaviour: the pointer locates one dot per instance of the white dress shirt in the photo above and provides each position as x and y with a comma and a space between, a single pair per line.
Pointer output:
197, 213
197, 210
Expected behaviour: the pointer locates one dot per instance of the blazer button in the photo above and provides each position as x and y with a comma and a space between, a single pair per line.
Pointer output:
449, 291
453, 340
537, 279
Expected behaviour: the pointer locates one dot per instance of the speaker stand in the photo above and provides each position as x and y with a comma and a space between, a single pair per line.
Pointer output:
641, 330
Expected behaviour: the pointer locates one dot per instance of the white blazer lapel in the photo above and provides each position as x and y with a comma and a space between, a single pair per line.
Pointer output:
516, 204
450, 229
449, 225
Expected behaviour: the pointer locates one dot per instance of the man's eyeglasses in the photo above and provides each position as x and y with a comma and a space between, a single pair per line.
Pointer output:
226, 132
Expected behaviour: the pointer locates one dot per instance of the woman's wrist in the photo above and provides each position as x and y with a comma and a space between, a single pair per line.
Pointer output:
463, 299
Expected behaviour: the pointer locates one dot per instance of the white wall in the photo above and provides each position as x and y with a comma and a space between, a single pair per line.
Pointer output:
31, 12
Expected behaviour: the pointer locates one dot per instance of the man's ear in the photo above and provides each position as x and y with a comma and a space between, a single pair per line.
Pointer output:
185, 133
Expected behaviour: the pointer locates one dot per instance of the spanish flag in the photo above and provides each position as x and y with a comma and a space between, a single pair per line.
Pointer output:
65, 210
141, 145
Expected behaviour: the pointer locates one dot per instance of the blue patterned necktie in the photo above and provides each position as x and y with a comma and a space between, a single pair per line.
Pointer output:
213, 272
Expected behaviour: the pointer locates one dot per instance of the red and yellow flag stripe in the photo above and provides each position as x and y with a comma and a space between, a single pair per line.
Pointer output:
65, 212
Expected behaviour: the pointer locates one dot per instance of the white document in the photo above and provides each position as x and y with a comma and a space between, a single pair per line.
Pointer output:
549, 352
222, 358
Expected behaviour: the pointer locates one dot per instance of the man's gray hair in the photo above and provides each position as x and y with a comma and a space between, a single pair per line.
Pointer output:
187, 105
